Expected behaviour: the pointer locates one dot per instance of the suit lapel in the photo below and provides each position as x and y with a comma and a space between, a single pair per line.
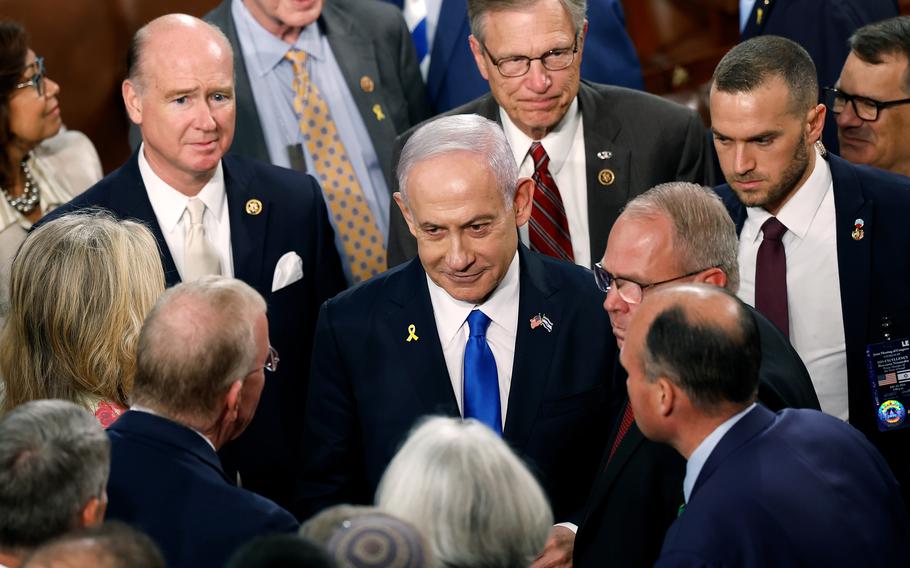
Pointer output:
854, 267
131, 201
761, 10
247, 231
600, 131
448, 34
356, 58
742, 432
422, 360
534, 348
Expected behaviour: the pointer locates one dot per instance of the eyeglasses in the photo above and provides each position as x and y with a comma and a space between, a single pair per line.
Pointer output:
271, 363
518, 65
36, 80
630, 291
864, 107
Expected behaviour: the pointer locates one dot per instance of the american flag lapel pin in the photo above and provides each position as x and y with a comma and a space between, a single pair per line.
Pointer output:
541, 320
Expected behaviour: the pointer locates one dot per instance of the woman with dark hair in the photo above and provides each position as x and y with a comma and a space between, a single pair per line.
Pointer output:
41, 166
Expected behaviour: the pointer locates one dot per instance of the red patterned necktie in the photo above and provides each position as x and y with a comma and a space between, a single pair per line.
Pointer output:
548, 227
771, 275
627, 418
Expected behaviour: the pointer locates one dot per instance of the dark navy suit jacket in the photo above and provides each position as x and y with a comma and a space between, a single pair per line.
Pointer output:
369, 385
874, 277
453, 78
293, 218
167, 481
796, 488
822, 27
637, 494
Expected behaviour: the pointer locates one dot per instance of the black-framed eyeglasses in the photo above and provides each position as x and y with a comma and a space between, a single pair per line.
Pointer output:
630, 291
271, 362
518, 65
36, 80
864, 107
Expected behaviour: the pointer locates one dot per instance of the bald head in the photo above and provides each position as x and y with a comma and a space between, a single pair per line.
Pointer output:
703, 339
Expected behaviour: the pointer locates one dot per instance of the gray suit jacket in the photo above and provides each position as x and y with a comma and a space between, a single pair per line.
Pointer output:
369, 40
649, 140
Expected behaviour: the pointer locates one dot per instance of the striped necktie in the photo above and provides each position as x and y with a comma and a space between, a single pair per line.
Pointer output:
548, 228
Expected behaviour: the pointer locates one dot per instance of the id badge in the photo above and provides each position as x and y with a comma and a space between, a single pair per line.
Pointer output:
889, 375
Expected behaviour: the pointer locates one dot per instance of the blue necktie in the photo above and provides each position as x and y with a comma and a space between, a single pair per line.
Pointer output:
481, 385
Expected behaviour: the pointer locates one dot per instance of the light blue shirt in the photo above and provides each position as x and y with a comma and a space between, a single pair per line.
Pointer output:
745, 8
703, 451
271, 78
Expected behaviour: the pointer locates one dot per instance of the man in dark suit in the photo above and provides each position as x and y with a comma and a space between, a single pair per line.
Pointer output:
821, 27
262, 224
359, 59
602, 145
674, 232
822, 242
396, 348
761, 489
453, 79
200, 366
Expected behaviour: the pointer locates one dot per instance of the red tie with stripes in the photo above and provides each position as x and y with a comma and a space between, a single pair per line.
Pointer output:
549, 227
627, 418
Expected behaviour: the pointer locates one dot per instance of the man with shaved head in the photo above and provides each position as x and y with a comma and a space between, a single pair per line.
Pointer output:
824, 495
221, 214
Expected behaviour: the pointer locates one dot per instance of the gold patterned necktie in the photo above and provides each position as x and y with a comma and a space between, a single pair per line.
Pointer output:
199, 257
363, 244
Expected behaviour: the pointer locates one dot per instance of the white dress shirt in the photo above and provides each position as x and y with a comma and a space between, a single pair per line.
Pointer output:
451, 324
813, 285
173, 218
704, 450
565, 145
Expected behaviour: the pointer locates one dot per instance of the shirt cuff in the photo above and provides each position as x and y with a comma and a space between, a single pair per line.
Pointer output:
571, 526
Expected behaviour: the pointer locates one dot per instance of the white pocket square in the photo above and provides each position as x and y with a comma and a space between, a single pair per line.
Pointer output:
288, 270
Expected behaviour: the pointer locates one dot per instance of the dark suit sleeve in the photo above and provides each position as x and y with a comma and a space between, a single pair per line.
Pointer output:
411, 81
331, 438
330, 279
694, 162
402, 245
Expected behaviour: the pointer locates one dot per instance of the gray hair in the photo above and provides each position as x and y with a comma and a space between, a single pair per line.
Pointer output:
476, 502
887, 37
198, 339
111, 545
477, 9
136, 49
704, 235
54, 458
756, 61
461, 133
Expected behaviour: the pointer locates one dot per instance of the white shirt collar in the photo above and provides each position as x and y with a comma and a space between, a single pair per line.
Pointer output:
701, 454
501, 307
557, 143
799, 211
169, 204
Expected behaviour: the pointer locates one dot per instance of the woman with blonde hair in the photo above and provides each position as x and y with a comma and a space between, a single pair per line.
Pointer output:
80, 288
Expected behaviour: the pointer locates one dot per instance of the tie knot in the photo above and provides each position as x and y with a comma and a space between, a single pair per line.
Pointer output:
478, 322
773, 230
297, 57
196, 209
538, 153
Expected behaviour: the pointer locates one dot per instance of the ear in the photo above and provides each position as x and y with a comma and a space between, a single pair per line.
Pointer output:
406, 212
666, 396
133, 101
480, 58
714, 276
231, 404
524, 194
93, 512
815, 122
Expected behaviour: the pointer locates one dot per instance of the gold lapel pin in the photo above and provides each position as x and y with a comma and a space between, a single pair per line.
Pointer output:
412, 333
606, 177
366, 83
858, 233
253, 207
377, 110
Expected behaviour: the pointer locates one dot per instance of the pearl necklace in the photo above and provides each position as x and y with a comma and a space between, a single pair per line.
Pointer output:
31, 194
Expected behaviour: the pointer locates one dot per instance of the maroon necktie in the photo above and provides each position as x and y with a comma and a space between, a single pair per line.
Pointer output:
771, 275
549, 227
624, 425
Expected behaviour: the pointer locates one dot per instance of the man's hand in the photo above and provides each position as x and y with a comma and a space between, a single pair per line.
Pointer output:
557, 553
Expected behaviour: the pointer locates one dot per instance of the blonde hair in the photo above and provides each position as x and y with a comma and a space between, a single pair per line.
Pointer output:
80, 288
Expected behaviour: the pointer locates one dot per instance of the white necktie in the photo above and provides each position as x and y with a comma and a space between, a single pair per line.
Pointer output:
199, 257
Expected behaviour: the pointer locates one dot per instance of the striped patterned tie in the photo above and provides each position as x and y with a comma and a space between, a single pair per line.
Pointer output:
364, 250
549, 227
415, 15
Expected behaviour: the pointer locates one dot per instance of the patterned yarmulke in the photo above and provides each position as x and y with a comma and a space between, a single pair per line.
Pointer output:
378, 540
